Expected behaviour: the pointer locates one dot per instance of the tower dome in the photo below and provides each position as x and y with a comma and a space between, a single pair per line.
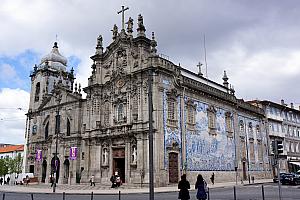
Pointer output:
55, 59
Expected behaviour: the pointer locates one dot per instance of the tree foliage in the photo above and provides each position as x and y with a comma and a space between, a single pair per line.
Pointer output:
11, 165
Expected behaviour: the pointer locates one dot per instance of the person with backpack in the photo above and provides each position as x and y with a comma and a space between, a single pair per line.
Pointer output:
184, 187
201, 187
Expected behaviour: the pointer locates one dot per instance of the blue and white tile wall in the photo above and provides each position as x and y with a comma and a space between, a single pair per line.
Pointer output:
256, 164
205, 152
173, 134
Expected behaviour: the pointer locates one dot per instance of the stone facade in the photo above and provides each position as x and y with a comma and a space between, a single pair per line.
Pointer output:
199, 125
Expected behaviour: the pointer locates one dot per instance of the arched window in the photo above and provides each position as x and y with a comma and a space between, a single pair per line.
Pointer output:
68, 127
212, 119
120, 111
242, 130
47, 130
37, 92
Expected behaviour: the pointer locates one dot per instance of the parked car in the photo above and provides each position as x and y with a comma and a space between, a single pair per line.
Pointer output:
275, 179
290, 179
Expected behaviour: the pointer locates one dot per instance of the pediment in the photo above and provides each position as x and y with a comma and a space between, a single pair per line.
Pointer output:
59, 96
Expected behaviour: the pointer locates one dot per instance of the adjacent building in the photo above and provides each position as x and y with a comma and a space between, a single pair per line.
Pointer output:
11, 151
283, 125
199, 125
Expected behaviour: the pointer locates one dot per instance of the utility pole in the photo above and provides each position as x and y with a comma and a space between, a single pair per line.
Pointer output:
150, 109
57, 130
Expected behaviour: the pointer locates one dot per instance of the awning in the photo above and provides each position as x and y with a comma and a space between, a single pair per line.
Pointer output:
295, 163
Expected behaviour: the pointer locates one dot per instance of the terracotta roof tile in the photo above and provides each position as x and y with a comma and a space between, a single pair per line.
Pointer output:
11, 148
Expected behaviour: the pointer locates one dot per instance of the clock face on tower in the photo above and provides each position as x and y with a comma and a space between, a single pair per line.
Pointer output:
120, 83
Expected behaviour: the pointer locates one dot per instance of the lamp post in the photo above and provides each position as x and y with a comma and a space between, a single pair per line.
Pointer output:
58, 97
150, 110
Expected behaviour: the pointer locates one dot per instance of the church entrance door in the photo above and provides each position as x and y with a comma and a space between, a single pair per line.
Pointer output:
44, 171
66, 170
173, 168
244, 171
55, 166
119, 162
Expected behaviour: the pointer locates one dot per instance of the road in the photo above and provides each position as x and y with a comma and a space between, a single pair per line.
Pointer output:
251, 192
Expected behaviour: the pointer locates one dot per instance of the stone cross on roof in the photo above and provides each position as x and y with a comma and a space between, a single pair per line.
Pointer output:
122, 11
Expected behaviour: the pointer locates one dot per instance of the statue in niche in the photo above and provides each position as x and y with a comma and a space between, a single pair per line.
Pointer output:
105, 157
134, 154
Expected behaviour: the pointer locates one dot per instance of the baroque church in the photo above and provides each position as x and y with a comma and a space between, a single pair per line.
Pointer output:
199, 126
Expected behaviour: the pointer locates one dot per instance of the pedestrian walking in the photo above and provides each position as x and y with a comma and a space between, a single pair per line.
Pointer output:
201, 187
8, 179
92, 180
1, 181
212, 178
184, 187
27, 180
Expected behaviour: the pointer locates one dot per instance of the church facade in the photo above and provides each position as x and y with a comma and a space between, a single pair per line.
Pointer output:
199, 125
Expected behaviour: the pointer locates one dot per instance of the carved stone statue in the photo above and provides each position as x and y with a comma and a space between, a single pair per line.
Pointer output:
100, 41
105, 157
115, 32
129, 25
134, 154
141, 28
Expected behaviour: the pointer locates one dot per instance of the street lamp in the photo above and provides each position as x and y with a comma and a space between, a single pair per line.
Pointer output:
58, 98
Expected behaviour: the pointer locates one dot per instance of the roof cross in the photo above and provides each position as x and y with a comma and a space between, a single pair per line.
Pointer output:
122, 11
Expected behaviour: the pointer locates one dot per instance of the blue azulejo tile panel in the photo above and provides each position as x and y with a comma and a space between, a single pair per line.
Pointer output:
172, 135
206, 152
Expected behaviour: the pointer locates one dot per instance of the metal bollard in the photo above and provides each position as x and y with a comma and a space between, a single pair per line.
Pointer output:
119, 195
64, 195
92, 195
263, 192
3, 197
234, 193
31, 196
208, 197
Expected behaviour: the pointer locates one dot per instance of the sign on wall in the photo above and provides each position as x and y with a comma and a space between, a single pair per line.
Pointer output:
73, 153
38, 155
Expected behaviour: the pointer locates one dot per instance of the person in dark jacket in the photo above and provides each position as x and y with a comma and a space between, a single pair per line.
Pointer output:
201, 187
184, 187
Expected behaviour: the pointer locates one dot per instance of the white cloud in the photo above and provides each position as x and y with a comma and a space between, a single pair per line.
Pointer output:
13, 106
257, 42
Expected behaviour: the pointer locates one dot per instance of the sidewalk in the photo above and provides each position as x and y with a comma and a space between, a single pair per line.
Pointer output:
86, 189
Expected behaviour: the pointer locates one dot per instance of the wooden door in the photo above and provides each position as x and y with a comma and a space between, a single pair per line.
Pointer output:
173, 168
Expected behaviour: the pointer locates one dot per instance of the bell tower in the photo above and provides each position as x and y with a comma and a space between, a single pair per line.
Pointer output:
45, 76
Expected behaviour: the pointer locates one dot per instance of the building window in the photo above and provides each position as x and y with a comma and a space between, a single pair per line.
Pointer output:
258, 135
37, 91
250, 130
228, 124
252, 153
242, 129
212, 118
68, 127
106, 114
34, 129
120, 111
47, 130
191, 113
171, 109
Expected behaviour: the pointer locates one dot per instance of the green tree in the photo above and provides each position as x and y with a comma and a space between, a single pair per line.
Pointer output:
3, 167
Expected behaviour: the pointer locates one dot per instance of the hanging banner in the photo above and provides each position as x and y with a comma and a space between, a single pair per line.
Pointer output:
73, 153
38, 155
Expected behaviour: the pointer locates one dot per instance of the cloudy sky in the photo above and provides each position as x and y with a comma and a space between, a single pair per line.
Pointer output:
257, 42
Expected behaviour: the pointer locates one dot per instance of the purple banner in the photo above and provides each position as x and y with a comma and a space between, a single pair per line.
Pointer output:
73, 153
38, 155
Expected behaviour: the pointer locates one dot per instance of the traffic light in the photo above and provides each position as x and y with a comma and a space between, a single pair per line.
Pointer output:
273, 148
279, 145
